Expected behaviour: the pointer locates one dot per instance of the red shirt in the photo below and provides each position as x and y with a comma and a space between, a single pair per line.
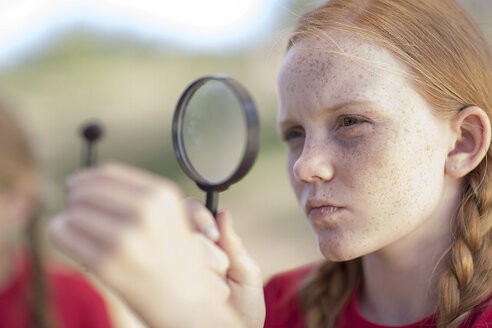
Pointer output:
73, 302
283, 307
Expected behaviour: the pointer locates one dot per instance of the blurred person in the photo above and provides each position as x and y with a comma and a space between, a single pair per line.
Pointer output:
31, 295
385, 109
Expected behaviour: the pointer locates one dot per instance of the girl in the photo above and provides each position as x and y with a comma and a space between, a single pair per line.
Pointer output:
385, 109
29, 295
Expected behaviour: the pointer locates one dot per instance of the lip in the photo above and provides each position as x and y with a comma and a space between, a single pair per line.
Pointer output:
316, 209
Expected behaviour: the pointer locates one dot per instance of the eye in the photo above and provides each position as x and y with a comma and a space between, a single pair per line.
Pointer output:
292, 134
350, 120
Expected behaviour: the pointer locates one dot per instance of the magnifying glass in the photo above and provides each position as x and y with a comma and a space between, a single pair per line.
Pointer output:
215, 134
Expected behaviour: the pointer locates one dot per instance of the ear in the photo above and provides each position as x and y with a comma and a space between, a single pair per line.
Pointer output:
472, 128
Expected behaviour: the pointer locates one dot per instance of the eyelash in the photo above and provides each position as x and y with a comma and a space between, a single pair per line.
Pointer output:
345, 121
350, 120
292, 134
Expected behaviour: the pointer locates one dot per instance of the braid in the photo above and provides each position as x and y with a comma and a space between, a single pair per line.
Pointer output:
327, 291
467, 283
37, 298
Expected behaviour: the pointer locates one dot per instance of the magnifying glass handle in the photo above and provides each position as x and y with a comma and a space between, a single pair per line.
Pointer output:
89, 157
212, 201
91, 133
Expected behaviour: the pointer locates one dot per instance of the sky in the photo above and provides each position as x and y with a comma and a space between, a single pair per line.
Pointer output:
210, 25
196, 25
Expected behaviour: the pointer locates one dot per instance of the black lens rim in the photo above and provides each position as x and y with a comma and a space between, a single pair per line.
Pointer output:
252, 132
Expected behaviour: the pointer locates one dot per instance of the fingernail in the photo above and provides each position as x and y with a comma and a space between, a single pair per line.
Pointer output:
212, 232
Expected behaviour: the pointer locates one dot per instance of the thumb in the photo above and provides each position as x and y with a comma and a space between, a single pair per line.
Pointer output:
243, 269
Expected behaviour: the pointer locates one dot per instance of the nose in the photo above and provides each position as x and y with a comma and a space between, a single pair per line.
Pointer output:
314, 164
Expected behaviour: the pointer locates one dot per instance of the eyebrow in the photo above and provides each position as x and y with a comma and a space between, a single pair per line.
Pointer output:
333, 109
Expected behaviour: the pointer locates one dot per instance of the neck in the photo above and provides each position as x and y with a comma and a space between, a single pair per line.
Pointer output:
402, 293
400, 282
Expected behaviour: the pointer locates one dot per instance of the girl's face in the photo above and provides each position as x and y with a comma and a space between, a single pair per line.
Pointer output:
366, 153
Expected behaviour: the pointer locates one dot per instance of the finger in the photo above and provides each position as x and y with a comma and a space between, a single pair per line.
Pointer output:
242, 268
74, 244
107, 197
201, 219
117, 199
99, 226
215, 257
157, 211
123, 174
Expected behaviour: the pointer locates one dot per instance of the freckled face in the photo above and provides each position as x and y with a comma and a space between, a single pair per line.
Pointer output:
366, 153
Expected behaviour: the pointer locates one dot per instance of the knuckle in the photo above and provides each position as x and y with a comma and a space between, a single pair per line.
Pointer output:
173, 188
104, 169
109, 167
192, 204
107, 170
167, 194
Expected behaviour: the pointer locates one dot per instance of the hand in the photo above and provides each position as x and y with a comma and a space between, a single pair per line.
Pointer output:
243, 275
129, 227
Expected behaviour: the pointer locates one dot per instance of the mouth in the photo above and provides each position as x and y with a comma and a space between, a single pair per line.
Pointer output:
320, 210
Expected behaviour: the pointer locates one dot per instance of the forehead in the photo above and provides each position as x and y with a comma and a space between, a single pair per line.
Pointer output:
340, 70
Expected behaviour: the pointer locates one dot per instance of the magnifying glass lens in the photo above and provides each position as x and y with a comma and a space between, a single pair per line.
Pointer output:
214, 131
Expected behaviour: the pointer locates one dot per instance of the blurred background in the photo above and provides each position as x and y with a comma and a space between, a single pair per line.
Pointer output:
125, 64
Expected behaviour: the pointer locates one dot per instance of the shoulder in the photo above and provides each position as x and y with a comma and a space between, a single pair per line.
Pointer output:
481, 317
289, 281
77, 301
65, 281
282, 301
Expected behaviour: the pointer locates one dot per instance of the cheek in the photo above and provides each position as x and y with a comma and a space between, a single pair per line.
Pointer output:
397, 175
296, 185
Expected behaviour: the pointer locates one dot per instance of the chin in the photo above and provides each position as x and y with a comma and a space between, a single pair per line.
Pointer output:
337, 256
338, 250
